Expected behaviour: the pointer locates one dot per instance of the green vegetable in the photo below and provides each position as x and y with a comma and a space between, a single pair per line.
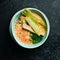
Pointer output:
35, 38
33, 25
21, 32
28, 13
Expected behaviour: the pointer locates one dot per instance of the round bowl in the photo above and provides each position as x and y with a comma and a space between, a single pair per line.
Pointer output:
13, 34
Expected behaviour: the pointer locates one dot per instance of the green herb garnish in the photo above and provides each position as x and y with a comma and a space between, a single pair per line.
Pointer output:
21, 32
35, 38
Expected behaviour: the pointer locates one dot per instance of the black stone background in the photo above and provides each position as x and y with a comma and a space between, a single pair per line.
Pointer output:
50, 50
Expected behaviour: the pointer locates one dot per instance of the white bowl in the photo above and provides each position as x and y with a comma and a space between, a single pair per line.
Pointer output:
13, 34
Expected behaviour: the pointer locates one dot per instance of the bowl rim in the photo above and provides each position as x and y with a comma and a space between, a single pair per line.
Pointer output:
26, 45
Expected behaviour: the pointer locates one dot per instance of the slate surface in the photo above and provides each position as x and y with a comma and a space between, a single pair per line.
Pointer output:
50, 50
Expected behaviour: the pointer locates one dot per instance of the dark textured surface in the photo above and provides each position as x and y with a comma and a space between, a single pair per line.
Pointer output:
50, 50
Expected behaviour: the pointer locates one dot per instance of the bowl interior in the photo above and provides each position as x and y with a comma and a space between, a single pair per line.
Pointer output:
13, 22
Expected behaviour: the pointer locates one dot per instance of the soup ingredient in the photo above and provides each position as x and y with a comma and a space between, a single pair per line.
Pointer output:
34, 16
35, 38
33, 25
42, 22
42, 29
25, 26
